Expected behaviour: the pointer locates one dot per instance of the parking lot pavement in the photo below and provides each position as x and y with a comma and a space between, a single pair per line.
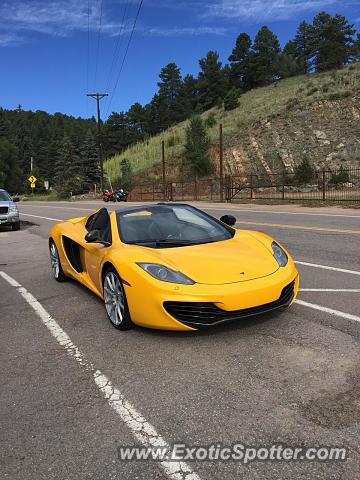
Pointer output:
290, 378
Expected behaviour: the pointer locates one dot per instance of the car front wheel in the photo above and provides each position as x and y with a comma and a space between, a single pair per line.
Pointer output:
55, 263
115, 301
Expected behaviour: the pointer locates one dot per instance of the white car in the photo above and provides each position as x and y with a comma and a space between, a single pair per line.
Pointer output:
9, 213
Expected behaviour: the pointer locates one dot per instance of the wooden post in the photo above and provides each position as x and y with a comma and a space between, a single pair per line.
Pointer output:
163, 166
251, 187
283, 186
221, 163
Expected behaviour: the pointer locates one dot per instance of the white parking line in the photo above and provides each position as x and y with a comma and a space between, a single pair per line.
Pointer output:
331, 311
326, 267
37, 216
143, 431
338, 290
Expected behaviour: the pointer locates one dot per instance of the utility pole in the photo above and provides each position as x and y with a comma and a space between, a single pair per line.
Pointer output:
98, 97
221, 146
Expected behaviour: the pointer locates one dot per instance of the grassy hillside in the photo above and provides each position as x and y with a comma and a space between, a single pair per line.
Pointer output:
265, 122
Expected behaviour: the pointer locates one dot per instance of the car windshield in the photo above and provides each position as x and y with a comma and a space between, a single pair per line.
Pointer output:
160, 226
4, 196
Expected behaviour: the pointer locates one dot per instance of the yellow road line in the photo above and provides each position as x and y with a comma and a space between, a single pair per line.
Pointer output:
302, 227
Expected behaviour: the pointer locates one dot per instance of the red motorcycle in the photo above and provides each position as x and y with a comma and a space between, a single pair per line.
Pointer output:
119, 196
108, 195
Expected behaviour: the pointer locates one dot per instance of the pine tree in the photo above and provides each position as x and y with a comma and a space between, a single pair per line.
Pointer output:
356, 49
68, 178
211, 81
197, 147
170, 84
290, 64
264, 63
304, 172
90, 168
239, 62
231, 100
10, 173
332, 41
303, 42
126, 173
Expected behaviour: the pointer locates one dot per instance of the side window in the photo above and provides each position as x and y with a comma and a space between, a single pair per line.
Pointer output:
89, 221
100, 221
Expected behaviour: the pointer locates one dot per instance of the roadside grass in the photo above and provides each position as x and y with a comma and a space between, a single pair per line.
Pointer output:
38, 197
254, 106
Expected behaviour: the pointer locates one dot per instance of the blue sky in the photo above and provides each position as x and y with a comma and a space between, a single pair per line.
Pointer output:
44, 44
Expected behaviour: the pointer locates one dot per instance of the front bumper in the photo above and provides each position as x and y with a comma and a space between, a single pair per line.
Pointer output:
10, 218
149, 304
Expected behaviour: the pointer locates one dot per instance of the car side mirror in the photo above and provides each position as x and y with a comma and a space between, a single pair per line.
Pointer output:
228, 219
16, 199
94, 237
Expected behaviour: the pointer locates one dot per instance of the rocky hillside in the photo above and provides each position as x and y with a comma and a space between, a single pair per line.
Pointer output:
313, 116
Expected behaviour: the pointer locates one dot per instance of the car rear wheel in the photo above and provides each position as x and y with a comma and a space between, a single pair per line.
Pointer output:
115, 301
56, 264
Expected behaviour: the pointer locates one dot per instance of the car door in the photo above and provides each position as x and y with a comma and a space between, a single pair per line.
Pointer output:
95, 252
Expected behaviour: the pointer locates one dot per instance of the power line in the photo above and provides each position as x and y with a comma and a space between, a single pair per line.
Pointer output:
88, 53
98, 41
118, 44
125, 55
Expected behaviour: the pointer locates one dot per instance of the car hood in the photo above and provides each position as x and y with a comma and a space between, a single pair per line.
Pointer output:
239, 259
6, 203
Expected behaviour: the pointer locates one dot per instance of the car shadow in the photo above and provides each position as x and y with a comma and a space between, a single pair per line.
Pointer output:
212, 330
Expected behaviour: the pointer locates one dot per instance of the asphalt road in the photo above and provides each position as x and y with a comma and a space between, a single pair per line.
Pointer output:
291, 378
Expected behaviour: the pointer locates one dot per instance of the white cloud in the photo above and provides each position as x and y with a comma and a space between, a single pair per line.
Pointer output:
54, 17
180, 31
261, 10
10, 40
63, 17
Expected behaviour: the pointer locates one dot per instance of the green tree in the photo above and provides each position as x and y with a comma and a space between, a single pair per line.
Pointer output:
68, 177
264, 63
90, 168
341, 176
10, 173
303, 43
356, 49
211, 81
197, 147
332, 41
231, 100
240, 62
290, 63
304, 172
126, 173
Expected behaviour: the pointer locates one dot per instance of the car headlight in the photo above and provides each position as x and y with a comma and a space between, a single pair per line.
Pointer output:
165, 274
279, 254
13, 209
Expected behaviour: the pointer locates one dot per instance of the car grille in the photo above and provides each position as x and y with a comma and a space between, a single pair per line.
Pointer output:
202, 313
3, 209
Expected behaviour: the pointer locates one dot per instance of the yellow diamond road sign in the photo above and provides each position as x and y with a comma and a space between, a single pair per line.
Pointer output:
32, 179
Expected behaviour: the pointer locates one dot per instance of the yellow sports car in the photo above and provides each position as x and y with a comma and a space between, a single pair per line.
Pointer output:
172, 266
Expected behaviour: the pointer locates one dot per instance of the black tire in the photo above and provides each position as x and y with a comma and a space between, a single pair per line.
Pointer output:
15, 227
125, 322
58, 273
